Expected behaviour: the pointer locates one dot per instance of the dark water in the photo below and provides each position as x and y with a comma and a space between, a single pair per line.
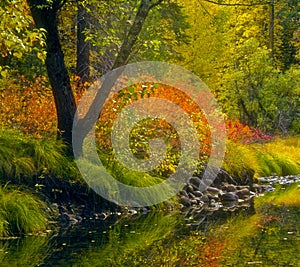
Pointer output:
111, 243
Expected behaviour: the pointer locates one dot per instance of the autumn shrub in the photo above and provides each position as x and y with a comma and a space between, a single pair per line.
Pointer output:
27, 105
238, 132
153, 128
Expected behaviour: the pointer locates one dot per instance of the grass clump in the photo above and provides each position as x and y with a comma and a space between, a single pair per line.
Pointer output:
24, 156
108, 180
239, 158
21, 212
280, 157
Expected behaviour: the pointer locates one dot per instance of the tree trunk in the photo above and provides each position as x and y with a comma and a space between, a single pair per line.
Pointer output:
45, 16
83, 45
84, 125
271, 26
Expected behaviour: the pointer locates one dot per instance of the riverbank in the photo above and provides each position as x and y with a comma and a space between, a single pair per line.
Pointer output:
37, 169
266, 236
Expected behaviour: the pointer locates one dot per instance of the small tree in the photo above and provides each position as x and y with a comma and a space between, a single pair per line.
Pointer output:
44, 13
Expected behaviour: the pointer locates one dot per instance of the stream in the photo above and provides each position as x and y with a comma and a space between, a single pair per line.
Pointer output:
125, 241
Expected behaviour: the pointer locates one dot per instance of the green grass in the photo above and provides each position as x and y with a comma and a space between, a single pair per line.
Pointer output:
21, 212
280, 157
24, 156
95, 176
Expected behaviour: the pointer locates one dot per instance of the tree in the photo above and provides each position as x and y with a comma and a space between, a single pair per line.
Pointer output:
83, 45
44, 13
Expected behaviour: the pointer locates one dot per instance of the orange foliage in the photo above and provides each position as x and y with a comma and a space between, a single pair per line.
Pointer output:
238, 132
29, 106
128, 95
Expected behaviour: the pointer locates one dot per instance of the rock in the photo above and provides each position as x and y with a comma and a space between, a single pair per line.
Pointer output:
213, 190
257, 188
218, 176
184, 193
196, 181
198, 194
229, 205
243, 193
229, 197
191, 196
189, 189
268, 188
240, 187
185, 201
194, 202
229, 188
205, 199
199, 201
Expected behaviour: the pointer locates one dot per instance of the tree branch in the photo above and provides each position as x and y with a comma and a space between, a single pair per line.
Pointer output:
134, 32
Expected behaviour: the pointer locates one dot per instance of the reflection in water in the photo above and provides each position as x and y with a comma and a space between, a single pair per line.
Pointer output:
29, 251
276, 242
130, 242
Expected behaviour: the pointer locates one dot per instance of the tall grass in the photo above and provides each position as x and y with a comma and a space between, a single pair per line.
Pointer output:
280, 157
21, 212
24, 156
96, 177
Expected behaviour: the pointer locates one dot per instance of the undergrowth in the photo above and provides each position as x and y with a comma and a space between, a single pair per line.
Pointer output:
21, 212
